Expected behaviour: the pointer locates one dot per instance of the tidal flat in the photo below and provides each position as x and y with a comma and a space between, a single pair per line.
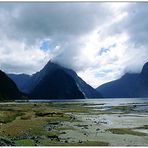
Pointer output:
101, 122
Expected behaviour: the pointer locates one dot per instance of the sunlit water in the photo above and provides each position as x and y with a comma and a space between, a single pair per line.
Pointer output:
104, 102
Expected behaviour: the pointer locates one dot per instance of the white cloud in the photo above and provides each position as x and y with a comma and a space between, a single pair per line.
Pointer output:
16, 57
100, 41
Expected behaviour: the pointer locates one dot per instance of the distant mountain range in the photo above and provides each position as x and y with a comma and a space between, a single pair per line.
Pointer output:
57, 82
54, 82
8, 89
128, 86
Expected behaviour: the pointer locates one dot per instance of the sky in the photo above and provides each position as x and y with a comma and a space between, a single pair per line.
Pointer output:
101, 41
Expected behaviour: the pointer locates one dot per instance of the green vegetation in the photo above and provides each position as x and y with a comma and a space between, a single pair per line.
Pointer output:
93, 143
25, 142
24, 121
65, 128
27, 116
47, 142
126, 131
56, 124
23, 128
8, 116
53, 133
142, 127
124, 108
6, 142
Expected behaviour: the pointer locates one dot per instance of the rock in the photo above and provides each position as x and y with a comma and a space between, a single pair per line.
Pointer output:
80, 141
6, 142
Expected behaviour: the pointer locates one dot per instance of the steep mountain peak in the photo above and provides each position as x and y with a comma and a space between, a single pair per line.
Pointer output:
68, 78
144, 71
54, 66
49, 67
50, 64
57, 85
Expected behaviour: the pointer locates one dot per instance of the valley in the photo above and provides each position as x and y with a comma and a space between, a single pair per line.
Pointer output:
103, 122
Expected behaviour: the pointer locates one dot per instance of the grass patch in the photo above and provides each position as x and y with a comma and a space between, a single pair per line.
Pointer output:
127, 108
58, 119
20, 128
126, 131
92, 143
53, 133
142, 127
8, 116
123, 108
49, 114
25, 142
47, 142
64, 128
76, 110
27, 116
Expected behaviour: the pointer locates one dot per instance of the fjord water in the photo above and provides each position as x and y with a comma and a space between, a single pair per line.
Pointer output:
105, 101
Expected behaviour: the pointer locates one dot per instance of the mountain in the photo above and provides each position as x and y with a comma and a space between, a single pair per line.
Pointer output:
54, 82
21, 80
122, 88
143, 82
56, 85
128, 86
8, 89
87, 90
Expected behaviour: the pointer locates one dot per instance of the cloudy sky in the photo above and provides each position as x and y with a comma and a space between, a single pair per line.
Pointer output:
100, 41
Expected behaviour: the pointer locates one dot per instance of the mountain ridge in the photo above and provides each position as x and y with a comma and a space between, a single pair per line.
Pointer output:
35, 79
128, 86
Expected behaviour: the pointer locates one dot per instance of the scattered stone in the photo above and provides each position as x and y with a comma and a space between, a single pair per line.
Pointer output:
63, 133
85, 134
49, 129
6, 142
80, 141
54, 137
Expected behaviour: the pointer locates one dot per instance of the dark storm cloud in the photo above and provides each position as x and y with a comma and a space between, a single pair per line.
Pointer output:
32, 21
